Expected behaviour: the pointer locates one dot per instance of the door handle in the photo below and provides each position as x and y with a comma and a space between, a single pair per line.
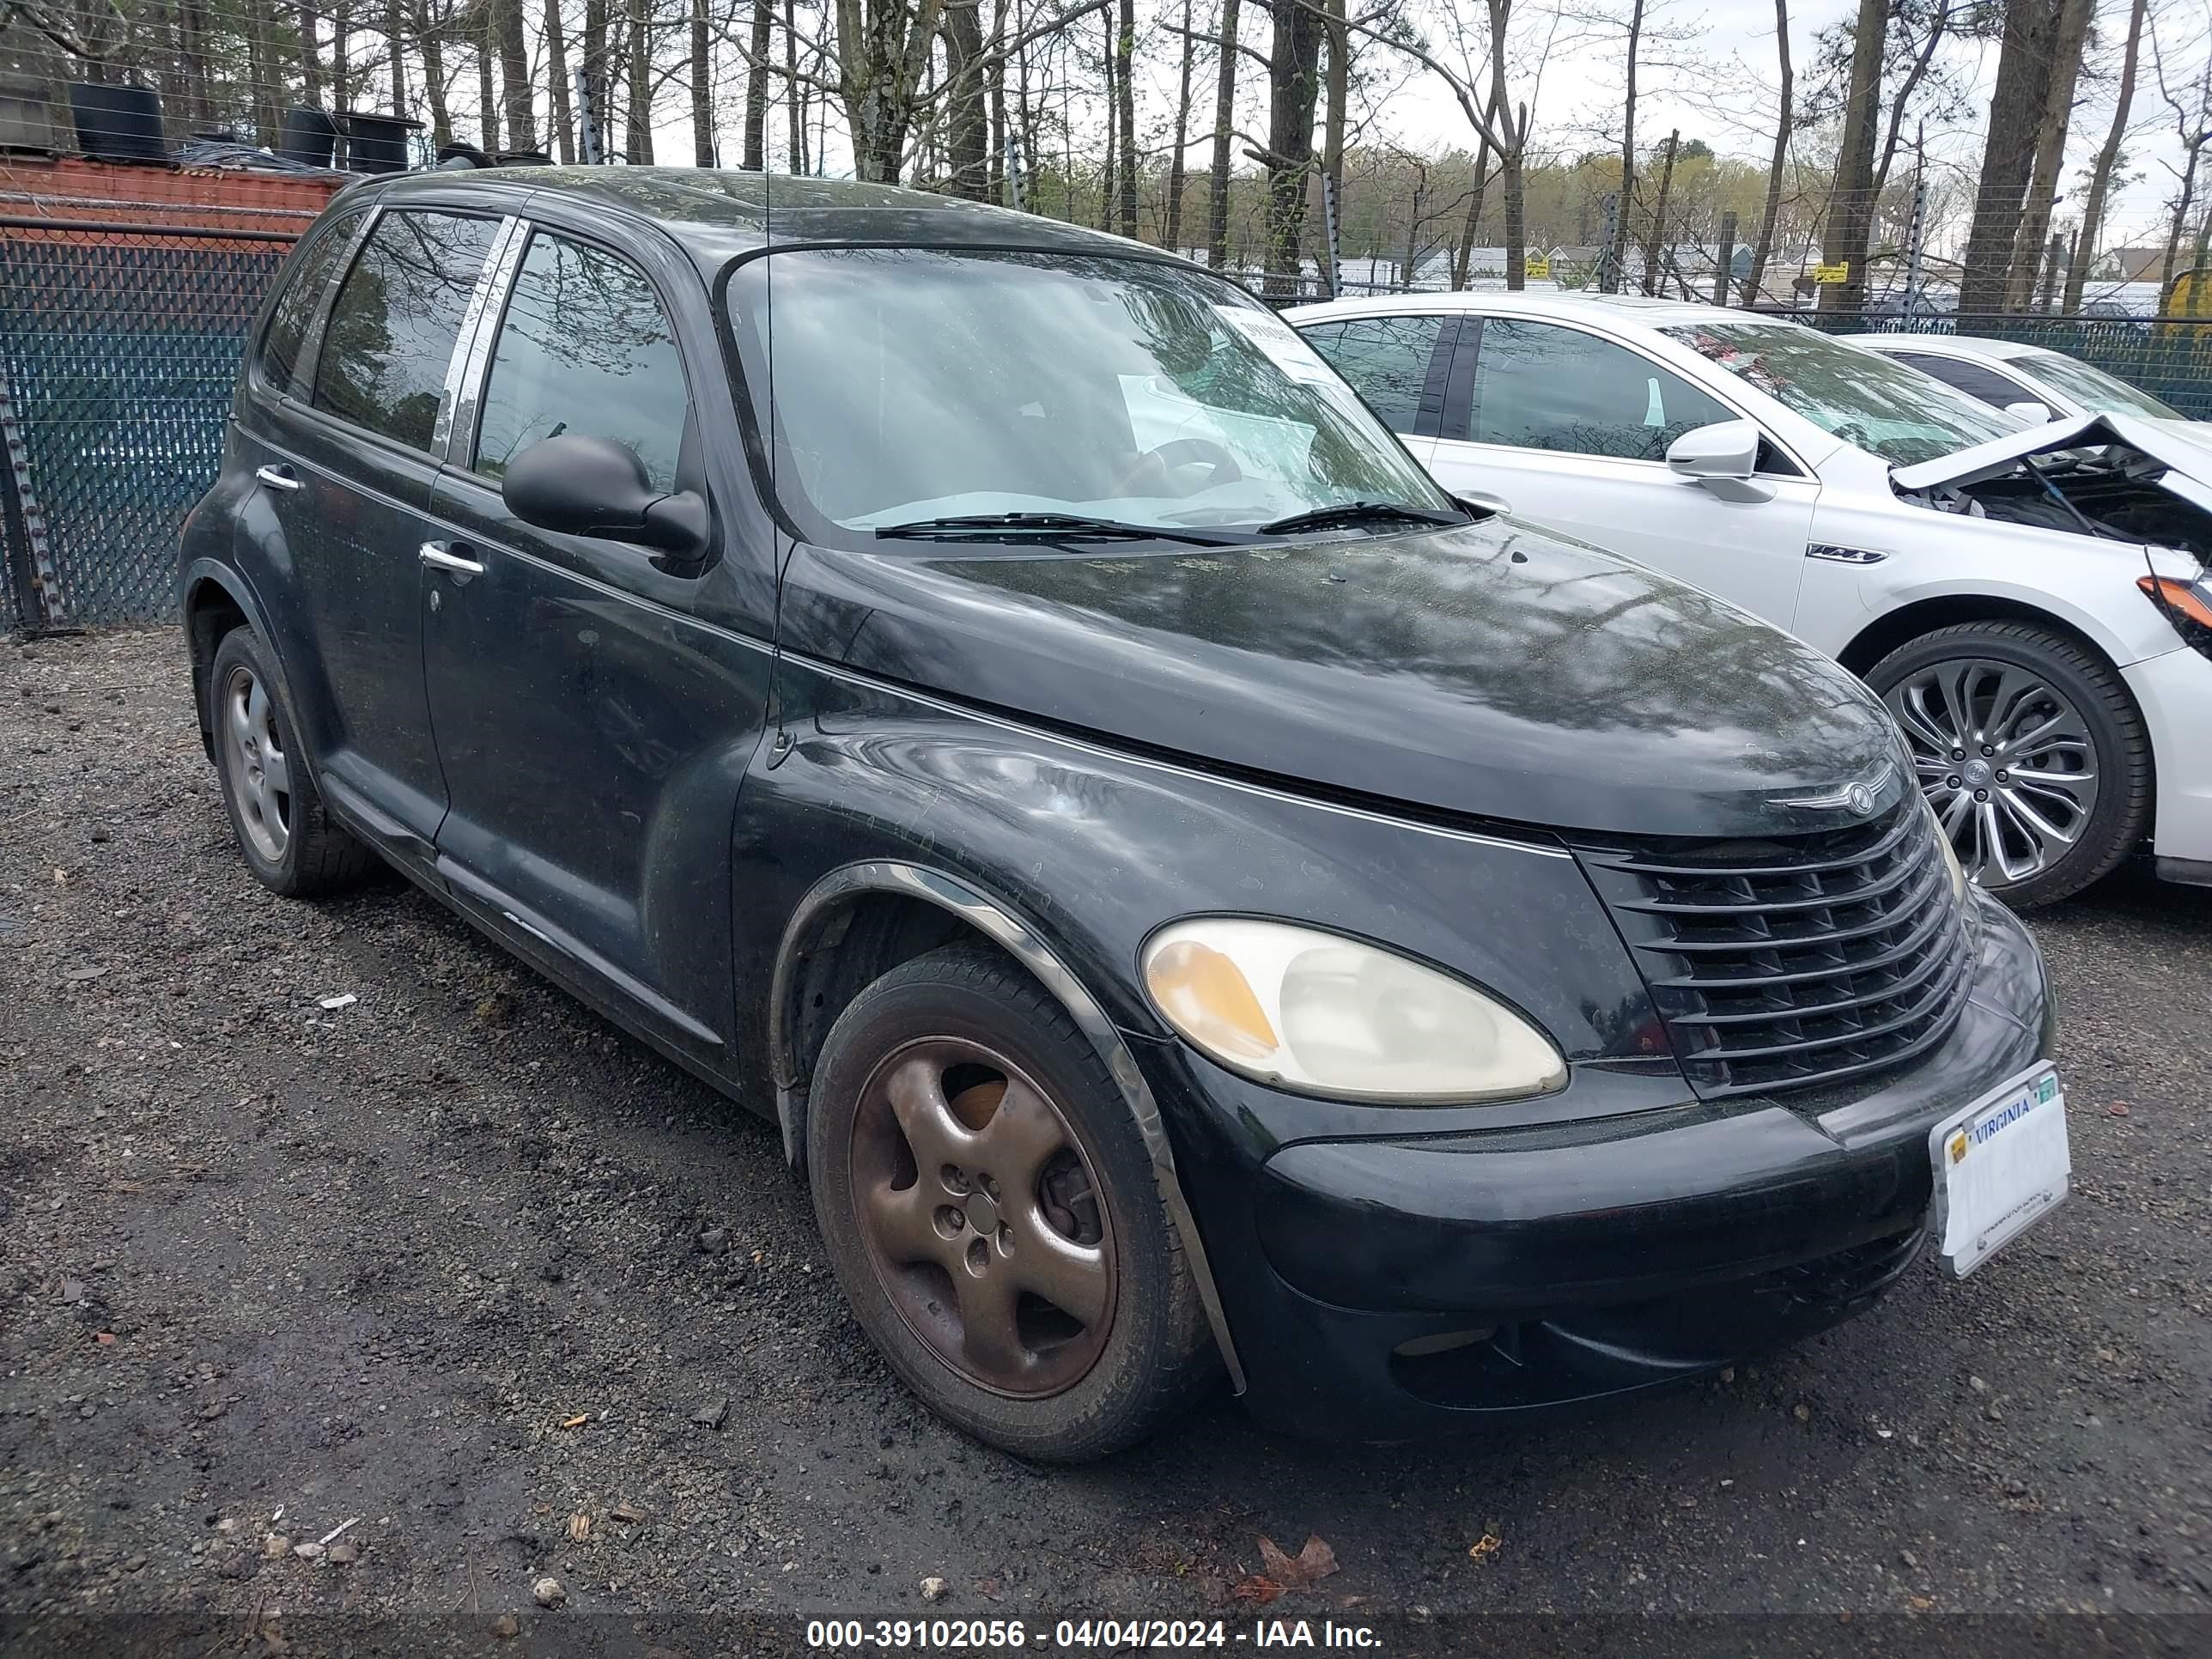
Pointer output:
276, 477
439, 555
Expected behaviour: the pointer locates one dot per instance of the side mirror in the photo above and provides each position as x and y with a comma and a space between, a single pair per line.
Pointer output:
585, 486
1481, 503
1723, 457
2033, 413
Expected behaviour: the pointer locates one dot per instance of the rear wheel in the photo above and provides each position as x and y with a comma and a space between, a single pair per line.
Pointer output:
992, 1213
2030, 750
289, 842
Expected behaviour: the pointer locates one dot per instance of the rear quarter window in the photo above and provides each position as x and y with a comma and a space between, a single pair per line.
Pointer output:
304, 282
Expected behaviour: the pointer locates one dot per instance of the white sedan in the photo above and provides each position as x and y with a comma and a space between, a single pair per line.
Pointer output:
2032, 601
2030, 381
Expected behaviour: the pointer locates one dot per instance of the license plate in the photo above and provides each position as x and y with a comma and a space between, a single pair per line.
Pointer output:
2001, 1165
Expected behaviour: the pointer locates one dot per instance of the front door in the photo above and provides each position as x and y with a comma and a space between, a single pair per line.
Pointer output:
1570, 429
592, 728
348, 472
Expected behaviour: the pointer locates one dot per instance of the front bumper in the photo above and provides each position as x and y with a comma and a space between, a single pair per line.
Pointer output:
2174, 691
1536, 1265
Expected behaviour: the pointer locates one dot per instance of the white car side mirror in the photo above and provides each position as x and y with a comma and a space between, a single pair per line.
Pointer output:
2028, 410
1723, 457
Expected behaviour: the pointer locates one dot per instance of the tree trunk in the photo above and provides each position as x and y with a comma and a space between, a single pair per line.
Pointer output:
1224, 122
995, 136
1125, 72
311, 61
1615, 272
1113, 150
2008, 153
703, 88
1171, 230
486, 92
2108, 158
796, 138
515, 77
755, 153
1656, 237
1463, 261
597, 81
1772, 208
557, 71
433, 81
1293, 81
1513, 155
1332, 144
341, 51
2057, 115
1848, 234
393, 34
969, 139
637, 137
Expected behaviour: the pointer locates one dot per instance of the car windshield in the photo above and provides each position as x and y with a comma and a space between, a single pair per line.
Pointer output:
912, 385
2094, 390
1890, 408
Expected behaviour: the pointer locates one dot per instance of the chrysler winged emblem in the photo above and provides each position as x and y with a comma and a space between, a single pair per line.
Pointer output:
1857, 797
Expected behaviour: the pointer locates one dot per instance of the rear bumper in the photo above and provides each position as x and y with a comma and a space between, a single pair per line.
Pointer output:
2174, 691
1536, 1267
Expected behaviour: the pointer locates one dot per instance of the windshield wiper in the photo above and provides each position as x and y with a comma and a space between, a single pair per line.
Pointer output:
1345, 513
1048, 526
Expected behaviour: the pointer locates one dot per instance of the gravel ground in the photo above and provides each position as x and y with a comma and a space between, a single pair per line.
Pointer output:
462, 1271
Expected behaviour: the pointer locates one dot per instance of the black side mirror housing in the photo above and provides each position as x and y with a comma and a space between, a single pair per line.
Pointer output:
586, 486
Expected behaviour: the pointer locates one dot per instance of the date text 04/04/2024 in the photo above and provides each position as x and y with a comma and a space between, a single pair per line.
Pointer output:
1110, 1635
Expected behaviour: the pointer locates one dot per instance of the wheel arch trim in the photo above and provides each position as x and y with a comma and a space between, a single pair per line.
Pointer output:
1005, 927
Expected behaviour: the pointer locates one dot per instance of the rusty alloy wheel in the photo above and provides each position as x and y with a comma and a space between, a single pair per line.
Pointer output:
983, 1222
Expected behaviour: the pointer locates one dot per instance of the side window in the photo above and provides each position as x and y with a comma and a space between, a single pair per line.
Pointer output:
1540, 386
584, 349
398, 315
1976, 381
1387, 360
304, 282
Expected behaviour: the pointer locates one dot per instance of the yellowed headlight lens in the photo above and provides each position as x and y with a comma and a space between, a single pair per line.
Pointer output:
1208, 999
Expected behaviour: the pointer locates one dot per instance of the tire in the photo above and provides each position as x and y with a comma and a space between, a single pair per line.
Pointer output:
277, 814
2076, 798
955, 1305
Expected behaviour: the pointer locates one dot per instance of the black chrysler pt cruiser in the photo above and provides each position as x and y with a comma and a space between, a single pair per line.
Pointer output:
1194, 897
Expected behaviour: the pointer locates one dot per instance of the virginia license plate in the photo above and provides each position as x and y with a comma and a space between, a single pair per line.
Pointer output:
2001, 1165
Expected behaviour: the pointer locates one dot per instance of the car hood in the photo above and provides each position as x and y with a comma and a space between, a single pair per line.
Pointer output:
1490, 671
2186, 457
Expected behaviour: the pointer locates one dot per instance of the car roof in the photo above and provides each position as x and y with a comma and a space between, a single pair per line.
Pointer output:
715, 214
1631, 310
1953, 345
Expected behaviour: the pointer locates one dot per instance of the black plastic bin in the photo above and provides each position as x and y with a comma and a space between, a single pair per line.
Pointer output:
117, 123
377, 143
308, 137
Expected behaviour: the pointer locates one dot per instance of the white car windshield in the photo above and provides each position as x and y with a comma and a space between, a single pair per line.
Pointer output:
1890, 408
912, 385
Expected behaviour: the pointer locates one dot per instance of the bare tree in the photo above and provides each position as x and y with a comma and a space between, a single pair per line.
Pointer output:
2056, 115
1224, 136
1850, 232
1613, 272
1771, 211
2108, 158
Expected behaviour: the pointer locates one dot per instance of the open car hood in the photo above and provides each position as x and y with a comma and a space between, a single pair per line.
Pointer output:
2186, 457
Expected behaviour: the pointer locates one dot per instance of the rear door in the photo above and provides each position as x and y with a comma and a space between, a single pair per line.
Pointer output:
591, 726
1570, 429
347, 460
1984, 381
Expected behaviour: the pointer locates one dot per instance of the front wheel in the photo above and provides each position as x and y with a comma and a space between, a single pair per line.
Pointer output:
992, 1214
2030, 750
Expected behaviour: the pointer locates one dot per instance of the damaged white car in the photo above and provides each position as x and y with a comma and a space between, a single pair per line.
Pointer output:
2031, 602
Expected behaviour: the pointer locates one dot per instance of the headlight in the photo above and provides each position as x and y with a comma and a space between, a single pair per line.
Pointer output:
1326, 1015
1957, 871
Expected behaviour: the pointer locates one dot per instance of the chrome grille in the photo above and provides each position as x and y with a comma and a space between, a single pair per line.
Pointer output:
1783, 963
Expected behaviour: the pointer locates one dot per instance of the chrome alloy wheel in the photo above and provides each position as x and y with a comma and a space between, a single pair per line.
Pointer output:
2007, 761
259, 772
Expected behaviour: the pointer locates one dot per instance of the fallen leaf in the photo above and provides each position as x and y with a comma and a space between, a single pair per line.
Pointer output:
577, 1421
1919, 1603
1279, 1566
626, 1512
1316, 1558
579, 1528
1256, 1590
1485, 1546
990, 1589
